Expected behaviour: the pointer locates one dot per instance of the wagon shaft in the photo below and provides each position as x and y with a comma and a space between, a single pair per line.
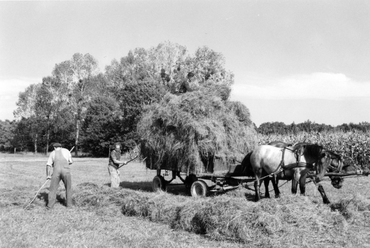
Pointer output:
352, 173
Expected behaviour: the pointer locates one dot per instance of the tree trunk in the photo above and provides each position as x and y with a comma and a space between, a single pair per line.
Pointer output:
35, 143
77, 135
47, 141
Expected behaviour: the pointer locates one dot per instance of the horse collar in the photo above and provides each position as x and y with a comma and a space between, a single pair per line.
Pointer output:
282, 159
297, 156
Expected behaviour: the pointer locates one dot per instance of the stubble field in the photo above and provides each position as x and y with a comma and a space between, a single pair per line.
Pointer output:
306, 222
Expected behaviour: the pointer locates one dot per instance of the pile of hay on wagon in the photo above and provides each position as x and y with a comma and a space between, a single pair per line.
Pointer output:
187, 132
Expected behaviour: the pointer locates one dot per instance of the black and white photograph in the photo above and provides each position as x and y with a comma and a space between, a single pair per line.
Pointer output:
185, 123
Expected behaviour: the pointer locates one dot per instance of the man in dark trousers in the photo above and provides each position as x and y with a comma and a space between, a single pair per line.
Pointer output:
114, 164
58, 168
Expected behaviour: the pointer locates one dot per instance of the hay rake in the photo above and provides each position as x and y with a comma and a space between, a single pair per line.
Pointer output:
29, 204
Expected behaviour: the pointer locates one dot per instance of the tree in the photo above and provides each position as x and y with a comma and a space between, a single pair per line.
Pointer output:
116, 120
171, 65
76, 74
26, 110
51, 100
144, 76
100, 126
132, 100
6, 134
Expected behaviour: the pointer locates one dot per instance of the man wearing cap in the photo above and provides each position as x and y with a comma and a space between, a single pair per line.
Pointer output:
58, 168
114, 164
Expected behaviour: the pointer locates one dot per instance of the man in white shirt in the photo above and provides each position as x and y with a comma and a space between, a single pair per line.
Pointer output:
114, 164
58, 168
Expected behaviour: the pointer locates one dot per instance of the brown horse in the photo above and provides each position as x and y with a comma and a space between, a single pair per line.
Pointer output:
292, 164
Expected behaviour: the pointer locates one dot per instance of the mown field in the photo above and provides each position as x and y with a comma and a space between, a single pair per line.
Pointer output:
133, 216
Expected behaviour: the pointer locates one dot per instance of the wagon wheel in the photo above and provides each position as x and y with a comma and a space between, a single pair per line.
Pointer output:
189, 180
199, 188
158, 183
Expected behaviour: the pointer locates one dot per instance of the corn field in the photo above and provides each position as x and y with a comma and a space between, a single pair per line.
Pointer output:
354, 147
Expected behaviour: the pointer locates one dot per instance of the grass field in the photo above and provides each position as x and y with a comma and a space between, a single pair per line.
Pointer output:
22, 175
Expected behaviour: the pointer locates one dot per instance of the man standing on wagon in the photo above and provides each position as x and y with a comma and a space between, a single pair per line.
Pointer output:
58, 168
114, 164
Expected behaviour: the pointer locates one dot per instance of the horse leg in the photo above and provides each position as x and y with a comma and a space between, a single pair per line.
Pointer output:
257, 189
295, 181
257, 184
302, 181
322, 192
266, 181
275, 184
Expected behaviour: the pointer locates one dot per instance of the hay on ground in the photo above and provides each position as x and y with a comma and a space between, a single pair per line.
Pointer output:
290, 220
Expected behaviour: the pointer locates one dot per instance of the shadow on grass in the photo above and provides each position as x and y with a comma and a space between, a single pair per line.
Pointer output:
175, 189
178, 189
60, 197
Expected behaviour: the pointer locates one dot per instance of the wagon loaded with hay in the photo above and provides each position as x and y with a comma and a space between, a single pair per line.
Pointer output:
199, 137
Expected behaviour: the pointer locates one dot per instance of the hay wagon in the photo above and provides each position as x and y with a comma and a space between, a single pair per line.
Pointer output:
217, 174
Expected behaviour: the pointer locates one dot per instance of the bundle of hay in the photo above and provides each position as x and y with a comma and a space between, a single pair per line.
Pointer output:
290, 220
356, 209
294, 221
187, 132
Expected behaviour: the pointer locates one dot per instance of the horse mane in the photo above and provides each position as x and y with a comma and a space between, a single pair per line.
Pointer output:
312, 150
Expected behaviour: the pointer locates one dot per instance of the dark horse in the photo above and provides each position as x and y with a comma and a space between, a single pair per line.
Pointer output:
295, 173
295, 163
299, 174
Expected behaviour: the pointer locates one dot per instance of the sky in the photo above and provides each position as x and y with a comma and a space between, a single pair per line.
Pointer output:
293, 60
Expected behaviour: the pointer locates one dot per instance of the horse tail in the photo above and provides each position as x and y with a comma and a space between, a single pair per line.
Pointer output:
247, 166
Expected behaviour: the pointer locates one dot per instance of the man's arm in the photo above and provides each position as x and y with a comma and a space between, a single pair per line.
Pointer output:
115, 160
49, 165
70, 161
48, 171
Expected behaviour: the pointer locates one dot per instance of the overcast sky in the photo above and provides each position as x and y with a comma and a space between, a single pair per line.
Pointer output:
293, 60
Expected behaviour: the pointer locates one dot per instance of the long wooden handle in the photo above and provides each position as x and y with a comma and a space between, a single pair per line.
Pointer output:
36, 194
129, 161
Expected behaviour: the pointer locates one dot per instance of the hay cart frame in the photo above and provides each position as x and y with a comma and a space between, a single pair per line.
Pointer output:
214, 176
212, 179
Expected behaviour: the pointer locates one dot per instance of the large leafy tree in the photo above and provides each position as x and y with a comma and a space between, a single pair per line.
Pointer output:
77, 75
6, 134
144, 76
51, 101
111, 119
42, 111
27, 112
195, 122
101, 124
77, 100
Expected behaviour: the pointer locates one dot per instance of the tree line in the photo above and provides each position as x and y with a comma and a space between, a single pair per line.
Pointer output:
77, 105
308, 127
81, 107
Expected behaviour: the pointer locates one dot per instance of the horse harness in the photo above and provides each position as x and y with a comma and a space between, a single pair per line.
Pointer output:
335, 169
297, 153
